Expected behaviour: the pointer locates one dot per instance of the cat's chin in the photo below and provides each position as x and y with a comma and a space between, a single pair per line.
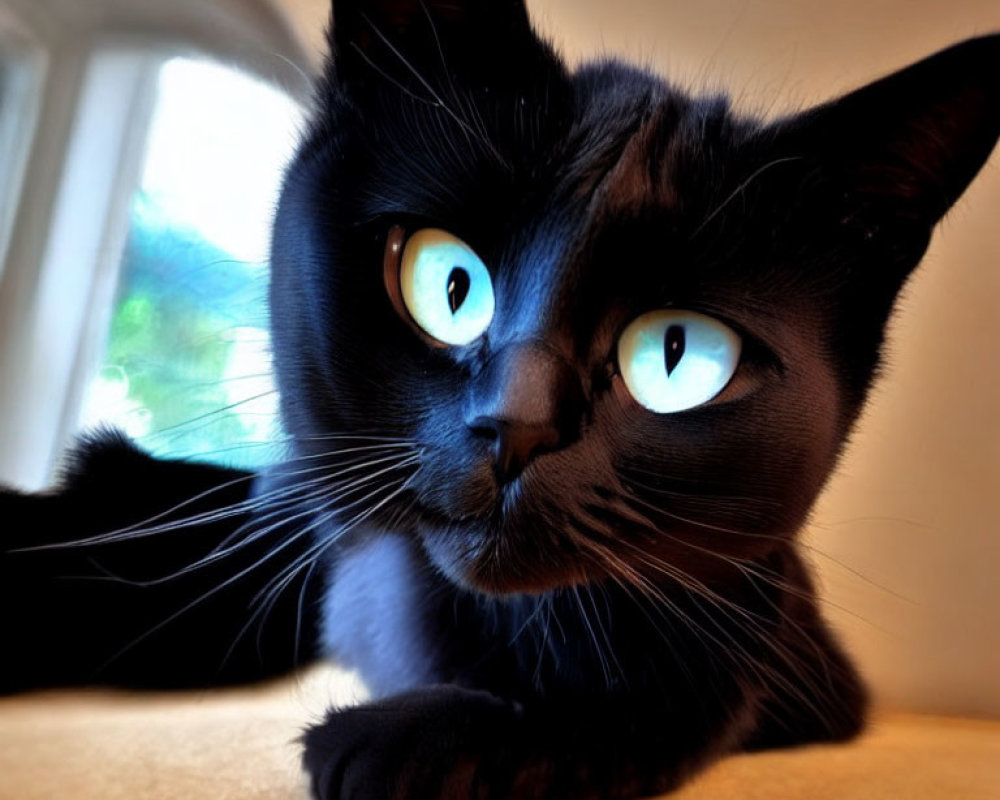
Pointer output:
474, 563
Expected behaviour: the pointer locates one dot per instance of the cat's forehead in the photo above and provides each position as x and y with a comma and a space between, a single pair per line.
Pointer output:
639, 160
635, 138
607, 132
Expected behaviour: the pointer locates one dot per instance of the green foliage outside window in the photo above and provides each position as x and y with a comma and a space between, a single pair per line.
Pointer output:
186, 356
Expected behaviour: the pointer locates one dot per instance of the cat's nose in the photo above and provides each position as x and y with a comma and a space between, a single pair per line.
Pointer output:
527, 401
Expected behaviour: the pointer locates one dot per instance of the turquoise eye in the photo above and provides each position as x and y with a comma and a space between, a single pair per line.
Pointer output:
446, 287
675, 360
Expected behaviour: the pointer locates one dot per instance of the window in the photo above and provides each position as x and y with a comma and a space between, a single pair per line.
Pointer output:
124, 267
186, 368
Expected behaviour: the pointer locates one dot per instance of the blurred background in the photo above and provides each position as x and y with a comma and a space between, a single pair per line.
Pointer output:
141, 149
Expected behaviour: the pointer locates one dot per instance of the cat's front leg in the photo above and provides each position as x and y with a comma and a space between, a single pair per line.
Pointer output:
449, 743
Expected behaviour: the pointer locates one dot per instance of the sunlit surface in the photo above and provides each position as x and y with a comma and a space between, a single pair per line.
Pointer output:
187, 367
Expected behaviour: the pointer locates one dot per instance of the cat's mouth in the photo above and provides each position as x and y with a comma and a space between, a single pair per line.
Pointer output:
502, 538
501, 555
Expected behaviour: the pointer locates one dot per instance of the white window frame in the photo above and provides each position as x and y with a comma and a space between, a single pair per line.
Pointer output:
24, 66
70, 224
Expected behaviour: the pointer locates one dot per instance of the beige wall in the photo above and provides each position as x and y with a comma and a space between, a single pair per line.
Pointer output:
905, 539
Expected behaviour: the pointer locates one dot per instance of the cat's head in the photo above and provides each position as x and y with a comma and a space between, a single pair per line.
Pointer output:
591, 327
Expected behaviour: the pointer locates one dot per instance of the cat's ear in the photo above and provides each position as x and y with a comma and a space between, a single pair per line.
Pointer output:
412, 43
899, 152
360, 22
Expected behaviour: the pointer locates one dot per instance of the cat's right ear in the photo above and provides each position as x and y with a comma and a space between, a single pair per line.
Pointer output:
415, 44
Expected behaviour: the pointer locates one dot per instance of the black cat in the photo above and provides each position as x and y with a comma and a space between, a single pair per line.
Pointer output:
565, 358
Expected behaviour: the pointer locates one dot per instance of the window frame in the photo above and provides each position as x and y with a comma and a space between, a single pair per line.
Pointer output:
24, 65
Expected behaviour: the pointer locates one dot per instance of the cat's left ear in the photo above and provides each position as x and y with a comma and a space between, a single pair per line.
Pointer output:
893, 156
411, 44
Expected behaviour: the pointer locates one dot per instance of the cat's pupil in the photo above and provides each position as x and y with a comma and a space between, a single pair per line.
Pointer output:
458, 288
673, 346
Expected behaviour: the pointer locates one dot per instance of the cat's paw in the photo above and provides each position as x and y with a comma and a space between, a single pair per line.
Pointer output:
439, 743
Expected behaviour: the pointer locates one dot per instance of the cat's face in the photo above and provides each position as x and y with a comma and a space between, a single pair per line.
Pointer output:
614, 332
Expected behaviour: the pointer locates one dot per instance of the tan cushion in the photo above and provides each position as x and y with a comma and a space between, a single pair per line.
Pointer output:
239, 744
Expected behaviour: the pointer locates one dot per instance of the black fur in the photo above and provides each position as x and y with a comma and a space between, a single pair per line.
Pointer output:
99, 613
552, 591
